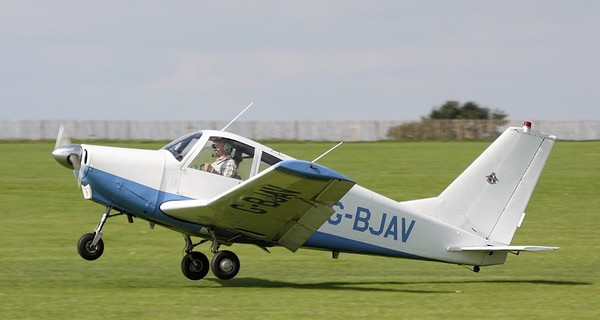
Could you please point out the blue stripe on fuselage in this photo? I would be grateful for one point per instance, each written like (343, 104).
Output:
(321, 240)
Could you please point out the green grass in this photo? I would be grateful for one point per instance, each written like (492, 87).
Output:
(42, 276)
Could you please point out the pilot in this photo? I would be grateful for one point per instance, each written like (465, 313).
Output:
(224, 165)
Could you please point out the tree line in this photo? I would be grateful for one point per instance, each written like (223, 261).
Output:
(453, 121)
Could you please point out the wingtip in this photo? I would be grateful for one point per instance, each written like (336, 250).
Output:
(311, 170)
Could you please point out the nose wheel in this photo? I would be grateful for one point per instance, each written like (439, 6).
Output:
(87, 249)
(90, 245)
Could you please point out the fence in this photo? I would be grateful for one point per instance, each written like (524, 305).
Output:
(263, 130)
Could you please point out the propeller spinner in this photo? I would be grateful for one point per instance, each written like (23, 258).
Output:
(69, 155)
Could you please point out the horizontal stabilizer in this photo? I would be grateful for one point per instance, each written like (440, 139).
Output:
(503, 248)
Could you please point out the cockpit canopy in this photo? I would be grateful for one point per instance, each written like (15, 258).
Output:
(197, 149)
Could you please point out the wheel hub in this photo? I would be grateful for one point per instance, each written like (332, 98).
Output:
(196, 266)
(90, 248)
(226, 265)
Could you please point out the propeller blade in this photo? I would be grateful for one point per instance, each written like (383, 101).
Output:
(78, 168)
(73, 159)
(62, 139)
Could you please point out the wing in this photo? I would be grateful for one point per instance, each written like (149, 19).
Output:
(284, 204)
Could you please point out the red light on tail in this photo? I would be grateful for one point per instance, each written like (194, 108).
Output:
(526, 126)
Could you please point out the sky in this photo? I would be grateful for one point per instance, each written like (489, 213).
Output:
(297, 60)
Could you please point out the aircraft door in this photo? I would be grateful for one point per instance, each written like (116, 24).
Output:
(218, 166)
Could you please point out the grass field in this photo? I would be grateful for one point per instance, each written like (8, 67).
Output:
(42, 276)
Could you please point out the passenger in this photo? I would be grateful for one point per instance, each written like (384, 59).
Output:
(224, 165)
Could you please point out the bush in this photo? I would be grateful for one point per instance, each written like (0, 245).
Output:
(451, 129)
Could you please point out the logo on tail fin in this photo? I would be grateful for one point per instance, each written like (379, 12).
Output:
(492, 179)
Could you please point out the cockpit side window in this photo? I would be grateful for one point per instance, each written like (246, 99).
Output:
(267, 160)
(180, 147)
(240, 153)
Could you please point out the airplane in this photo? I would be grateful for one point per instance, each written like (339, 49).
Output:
(276, 200)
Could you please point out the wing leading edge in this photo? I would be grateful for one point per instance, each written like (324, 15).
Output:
(284, 204)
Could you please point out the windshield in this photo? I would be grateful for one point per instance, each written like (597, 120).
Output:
(180, 147)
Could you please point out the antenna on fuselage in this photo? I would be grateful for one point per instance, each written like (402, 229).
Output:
(328, 151)
(236, 117)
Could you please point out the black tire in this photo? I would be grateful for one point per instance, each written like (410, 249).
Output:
(85, 249)
(195, 266)
(225, 265)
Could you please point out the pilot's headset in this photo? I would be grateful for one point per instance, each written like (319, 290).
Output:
(227, 147)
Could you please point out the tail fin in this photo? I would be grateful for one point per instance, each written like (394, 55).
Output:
(490, 196)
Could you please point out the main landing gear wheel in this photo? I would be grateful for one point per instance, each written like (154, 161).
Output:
(195, 266)
(87, 250)
(225, 265)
